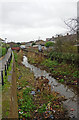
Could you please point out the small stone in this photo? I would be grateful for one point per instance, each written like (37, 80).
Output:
(72, 109)
(51, 108)
(38, 90)
(19, 88)
(51, 116)
(54, 111)
(32, 92)
(27, 86)
(24, 88)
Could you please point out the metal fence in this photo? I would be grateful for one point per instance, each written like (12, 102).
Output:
(6, 66)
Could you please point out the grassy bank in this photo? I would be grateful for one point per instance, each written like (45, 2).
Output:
(63, 72)
(2, 51)
(35, 99)
(6, 93)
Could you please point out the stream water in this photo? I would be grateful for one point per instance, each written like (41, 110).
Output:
(72, 100)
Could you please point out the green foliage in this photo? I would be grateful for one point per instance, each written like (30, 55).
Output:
(66, 44)
(49, 63)
(15, 56)
(26, 104)
(16, 45)
(64, 56)
(33, 44)
(42, 108)
(2, 51)
(48, 44)
(61, 80)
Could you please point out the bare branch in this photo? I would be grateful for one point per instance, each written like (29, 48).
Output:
(72, 24)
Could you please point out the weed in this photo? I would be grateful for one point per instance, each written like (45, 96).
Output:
(61, 80)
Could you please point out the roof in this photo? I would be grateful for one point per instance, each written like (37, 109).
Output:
(1, 39)
(15, 48)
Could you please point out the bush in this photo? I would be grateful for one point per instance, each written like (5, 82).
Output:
(48, 44)
(2, 51)
(33, 44)
(64, 56)
(15, 56)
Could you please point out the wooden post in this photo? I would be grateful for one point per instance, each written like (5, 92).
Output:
(2, 78)
(5, 71)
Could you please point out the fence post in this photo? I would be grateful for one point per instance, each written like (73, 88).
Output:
(5, 71)
(2, 78)
(7, 65)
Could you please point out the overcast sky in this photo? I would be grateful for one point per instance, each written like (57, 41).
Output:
(28, 20)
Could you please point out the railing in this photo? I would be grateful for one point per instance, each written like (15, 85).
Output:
(5, 69)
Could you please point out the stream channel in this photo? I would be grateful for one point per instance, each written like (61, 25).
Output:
(72, 99)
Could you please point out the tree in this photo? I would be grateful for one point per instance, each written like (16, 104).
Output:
(33, 44)
(72, 24)
(48, 44)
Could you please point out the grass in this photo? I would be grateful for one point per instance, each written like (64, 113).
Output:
(2, 51)
(63, 72)
(35, 106)
(6, 93)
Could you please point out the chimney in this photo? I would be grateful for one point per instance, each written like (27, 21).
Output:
(53, 37)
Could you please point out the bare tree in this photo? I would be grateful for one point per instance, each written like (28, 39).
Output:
(73, 25)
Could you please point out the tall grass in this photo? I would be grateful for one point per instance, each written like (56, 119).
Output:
(2, 51)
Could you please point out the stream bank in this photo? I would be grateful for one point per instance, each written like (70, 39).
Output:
(68, 92)
(67, 74)
(36, 101)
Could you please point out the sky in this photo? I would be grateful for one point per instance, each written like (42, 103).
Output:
(28, 20)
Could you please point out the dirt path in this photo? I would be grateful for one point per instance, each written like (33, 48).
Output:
(13, 103)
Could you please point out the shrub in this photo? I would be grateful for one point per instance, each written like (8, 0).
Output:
(2, 51)
(48, 44)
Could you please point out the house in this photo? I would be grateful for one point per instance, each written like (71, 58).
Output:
(22, 46)
(68, 38)
(50, 39)
(29, 44)
(23, 43)
(35, 46)
(1, 41)
(40, 42)
(12, 44)
(15, 49)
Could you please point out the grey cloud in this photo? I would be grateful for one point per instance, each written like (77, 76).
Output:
(35, 15)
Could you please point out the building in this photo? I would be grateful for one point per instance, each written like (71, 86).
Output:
(23, 46)
(50, 39)
(40, 42)
(1, 41)
(29, 44)
(15, 49)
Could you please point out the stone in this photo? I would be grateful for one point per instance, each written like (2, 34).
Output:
(32, 92)
(51, 116)
(19, 88)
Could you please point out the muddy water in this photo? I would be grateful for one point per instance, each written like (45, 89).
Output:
(71, 102)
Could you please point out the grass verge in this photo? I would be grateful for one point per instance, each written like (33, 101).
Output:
(6, 93)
